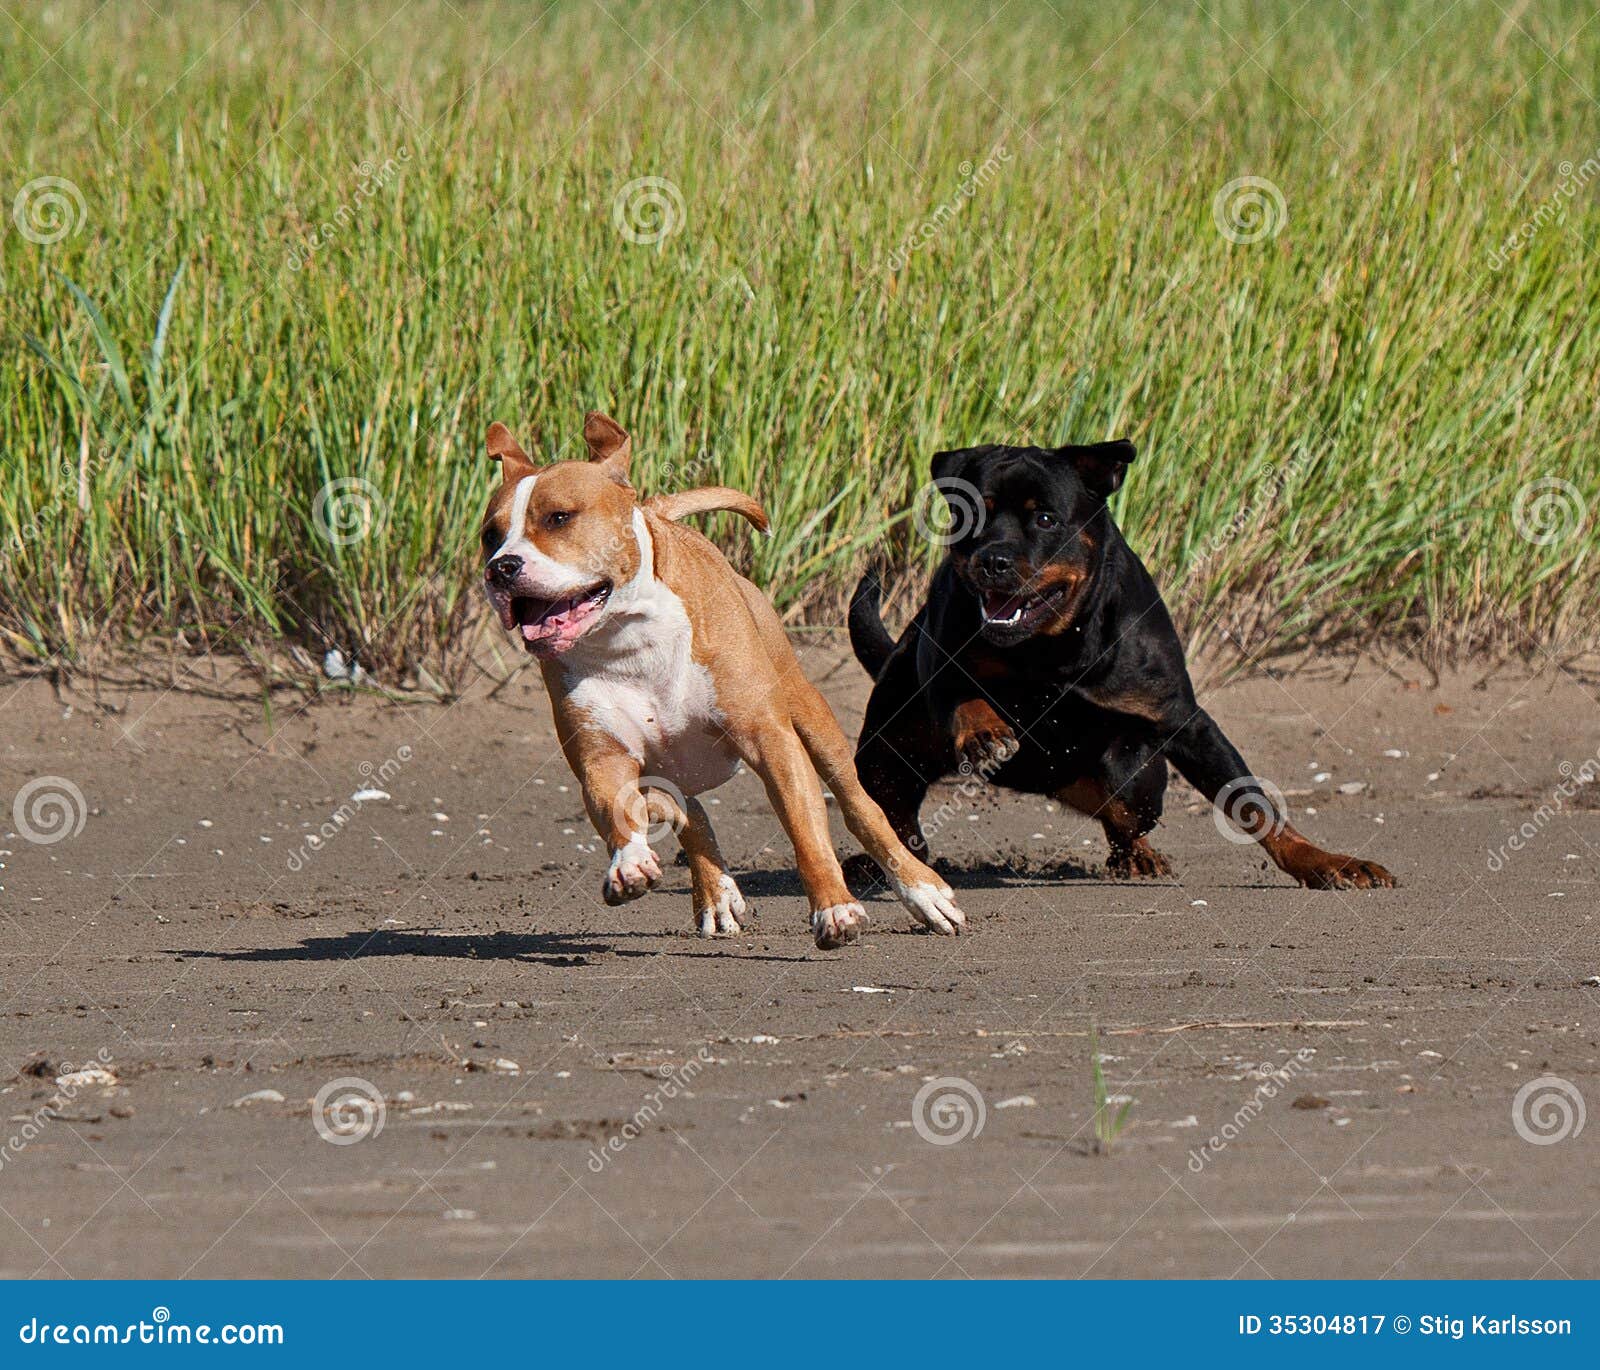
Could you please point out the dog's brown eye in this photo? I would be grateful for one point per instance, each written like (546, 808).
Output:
(559, 518)
(1045, 519)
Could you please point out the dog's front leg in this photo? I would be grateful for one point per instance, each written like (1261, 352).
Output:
(621, 814)
(777, 755)
(983, 740)
(1212, 764)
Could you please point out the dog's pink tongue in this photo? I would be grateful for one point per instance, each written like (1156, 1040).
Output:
(559, 628)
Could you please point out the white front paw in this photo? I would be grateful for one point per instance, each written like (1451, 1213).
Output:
(634, 871)
(723, 913)
(934, 906)
(834, 926)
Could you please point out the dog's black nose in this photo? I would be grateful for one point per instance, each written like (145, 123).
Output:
(995, 563)
(505, 570)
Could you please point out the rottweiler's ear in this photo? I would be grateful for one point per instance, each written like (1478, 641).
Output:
(503, 448)
(1101, 465)
(609, 444)
(952, 465)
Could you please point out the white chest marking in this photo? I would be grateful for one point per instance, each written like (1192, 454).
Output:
(636, 678)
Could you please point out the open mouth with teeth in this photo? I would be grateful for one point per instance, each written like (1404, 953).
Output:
(1014, 613)
(550, 626)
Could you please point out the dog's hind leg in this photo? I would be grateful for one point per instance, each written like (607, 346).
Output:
(930, 901)
(1212, 764)
(718, 905)
(1126, 800)
(901, 753)
(777, 755)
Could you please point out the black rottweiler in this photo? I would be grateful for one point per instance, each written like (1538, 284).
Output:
(1045, 660)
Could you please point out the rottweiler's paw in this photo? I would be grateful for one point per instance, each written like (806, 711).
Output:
(1335, 872)
(634, 871)
(835, 926)
(987, 749)
(721, 916)
(934, 906)
(1138, 862)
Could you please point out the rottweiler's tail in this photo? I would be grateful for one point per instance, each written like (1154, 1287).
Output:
(868, 637)
(704, 501)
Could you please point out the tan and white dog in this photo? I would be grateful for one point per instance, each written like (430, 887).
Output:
(666, 667)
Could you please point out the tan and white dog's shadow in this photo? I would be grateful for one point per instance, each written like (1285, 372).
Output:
(560, 950)
(548, 948)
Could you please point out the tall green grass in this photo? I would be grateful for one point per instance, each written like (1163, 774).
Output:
(1334, 422)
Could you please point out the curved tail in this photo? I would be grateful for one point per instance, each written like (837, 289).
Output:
(704, 501)
(868, 637)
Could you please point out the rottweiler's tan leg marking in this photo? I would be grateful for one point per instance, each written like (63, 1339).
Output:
(984, 740)
(1131, 855)
(1316, 869)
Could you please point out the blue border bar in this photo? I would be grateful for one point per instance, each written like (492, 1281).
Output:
(801, 1323)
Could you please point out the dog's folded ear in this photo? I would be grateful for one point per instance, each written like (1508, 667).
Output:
(608, 444)
(951, 465)
(503, 448)
(1101, 465)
